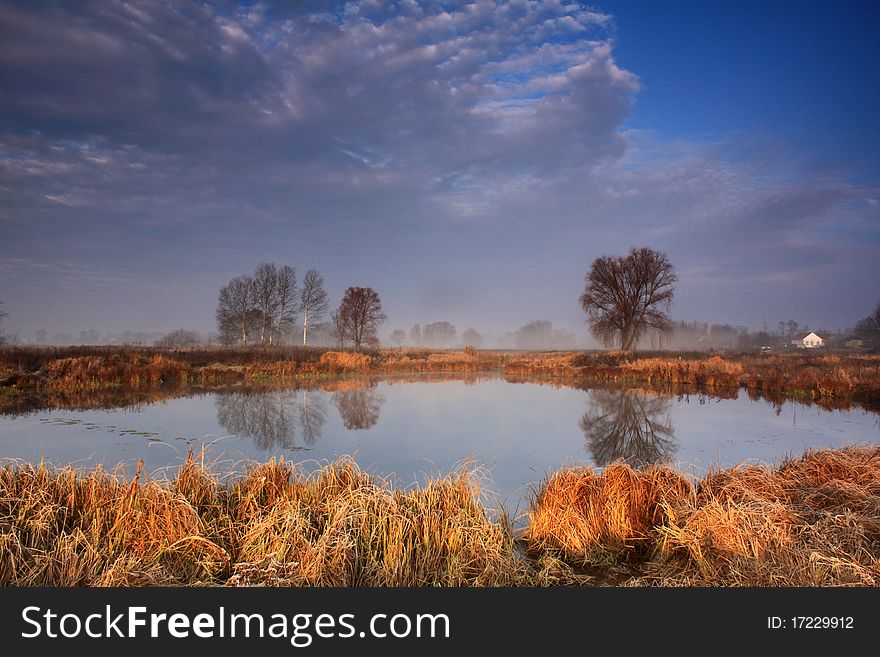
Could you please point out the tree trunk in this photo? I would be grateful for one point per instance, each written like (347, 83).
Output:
(305, 327)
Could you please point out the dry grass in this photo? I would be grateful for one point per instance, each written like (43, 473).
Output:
(274, 526)
(826, 378)
(588, 518)
(813, 521)
(427, 360)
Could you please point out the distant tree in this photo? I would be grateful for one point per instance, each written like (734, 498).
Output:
(792, 327)
(359, 316)
(868, 328)
(337, 321)
(415, 335)
(540, 334)
(439, 334)
(41, 336)
(313, 301)
(322, 334)
(90, 336)
(626, 296)
(471, 337)
(178, 339)
(235, 310)
(398, 336)
(3, 315)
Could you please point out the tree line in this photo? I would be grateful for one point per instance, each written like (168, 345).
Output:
(269, 308)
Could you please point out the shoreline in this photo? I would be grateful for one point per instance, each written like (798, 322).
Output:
(820, 377)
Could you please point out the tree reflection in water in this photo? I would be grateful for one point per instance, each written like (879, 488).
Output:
(269, 418)
(629, 426)
(359, 408)
(312, 416)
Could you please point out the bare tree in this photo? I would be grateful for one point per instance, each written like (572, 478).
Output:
(285, 302)
(235, 310)
(313, 301)
(359, 316)
(624, 297)
(398, 336)
(266, 297)
(471, 337)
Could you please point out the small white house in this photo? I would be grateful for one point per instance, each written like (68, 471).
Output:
(807, 341)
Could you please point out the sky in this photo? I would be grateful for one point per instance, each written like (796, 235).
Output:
(468, 160)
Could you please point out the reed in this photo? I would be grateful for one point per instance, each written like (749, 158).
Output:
(274, 526)
(826, 378)
(811, 521)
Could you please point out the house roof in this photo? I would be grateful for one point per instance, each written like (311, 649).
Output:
(801, 336)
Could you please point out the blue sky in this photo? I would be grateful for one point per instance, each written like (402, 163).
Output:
(467, 160)
(796, 72)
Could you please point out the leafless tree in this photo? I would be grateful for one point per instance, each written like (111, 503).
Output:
(359, 315)
(627, 425)
(235, 310)
(313, 301)
(398, 336)
(266, 298)
(626, 296)
(285, 302)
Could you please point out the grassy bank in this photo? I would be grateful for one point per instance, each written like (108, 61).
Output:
(814, 376)
(810, 521)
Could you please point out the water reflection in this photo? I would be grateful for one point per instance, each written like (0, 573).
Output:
(630, 426)
(359, 408)
(294, 419)
(312, 416)
(272, 418)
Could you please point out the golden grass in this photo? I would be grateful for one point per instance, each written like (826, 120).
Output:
(812, 521)
(274, 526)
(588, 518)
(87, 372)
(825, 378)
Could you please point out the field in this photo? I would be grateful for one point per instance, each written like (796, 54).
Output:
(809, 521)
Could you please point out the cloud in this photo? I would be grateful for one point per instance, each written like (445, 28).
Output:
(385, 141)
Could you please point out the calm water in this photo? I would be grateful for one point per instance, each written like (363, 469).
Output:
(519, 432)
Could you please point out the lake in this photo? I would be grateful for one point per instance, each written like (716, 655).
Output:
(416, 427)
